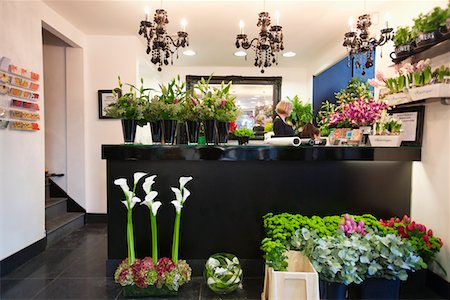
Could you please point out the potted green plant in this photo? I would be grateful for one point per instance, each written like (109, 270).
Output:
(226, 110)
(403, 39)
(152, 114)
(191, 114)
(170, 100)
(208, 104)
(426, 26)
(243, 135)
(301, 113)
(129, 107)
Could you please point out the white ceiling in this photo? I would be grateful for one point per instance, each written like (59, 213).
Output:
(309, 26)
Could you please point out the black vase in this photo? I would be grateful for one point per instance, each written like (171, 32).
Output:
(375, 288)
(169, 128)
(129, 130)
(193, 130)
(210, 131)
(156, 132)
(243, 140)
(331, 290)
(222, 129)
(428, 38)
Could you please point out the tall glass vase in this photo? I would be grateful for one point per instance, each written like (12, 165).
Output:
(222, 129)
(156, 128)
(129, 131)
(210, 132)
(169, 129)
(193, 130)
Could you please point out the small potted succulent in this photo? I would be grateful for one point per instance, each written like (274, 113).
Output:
(243, 135)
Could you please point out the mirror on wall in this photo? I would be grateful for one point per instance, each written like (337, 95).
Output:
(256, 97)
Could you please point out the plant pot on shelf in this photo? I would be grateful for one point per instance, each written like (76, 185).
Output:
(402, 51)
(385, 140)
(210, 131)
(398, 98)
(132, 291)
(427, 39)
(439, 90)
(222, 129)
(169, 129)
(445, 30)
(243, 140)
(156, 129)
(193, 131)
(300, 281)
(129, 130)
(375, 288)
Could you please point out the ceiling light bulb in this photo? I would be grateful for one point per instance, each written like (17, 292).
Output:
(147, 12)
(183, 24)
(289, 54)
(189, 52)
(240, 53)
(277, 17)
(241, 26)
(350, 23)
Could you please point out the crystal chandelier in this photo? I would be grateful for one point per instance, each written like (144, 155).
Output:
(267, 45)
(161, 45)
(360, 46)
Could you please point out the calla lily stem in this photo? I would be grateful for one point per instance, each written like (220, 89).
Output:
(130, 237)
(154, 237)
(176, 238)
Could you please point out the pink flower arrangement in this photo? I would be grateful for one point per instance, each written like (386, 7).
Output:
(349, 226)
(362, 112)
(144, 273)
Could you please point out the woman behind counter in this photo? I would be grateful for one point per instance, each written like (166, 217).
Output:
(280, 127)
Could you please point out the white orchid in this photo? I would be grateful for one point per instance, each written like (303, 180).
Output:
(137, 176)
(122, 182)
(183, 181)
(153, 205)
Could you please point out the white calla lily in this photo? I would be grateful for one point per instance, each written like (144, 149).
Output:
(186, 194)
(122, 182)
(184, 180)
(150, 197)
(177, 194)
(133, 201)
(178, 206)
(155, 207)
(125, 202)
(137, 176)
(147, 185)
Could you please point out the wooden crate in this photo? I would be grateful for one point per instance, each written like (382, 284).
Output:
(299, 282)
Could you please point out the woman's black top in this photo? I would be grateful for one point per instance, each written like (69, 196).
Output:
(282, 129)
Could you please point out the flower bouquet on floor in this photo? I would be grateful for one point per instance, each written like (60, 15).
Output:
(151, 276)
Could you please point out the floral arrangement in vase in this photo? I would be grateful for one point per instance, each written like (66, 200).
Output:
(152, 275)
(223, 273)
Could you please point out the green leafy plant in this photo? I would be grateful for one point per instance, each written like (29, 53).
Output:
(430, 21)
(356, 89)
(129, 105)
(323, 118)
(440, 73)
(268, 127)
(301, 113)
(244, 132)
(172, 96)
(403, 36)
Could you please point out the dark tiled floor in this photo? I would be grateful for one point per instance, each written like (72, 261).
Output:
(75, 267)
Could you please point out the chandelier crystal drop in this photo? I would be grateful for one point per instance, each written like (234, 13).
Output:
(360, 46)
(160, 45)
(267, 45)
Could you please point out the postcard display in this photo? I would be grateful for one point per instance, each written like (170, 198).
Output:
(19, 97)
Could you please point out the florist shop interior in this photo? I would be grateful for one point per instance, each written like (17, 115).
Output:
(287, 150)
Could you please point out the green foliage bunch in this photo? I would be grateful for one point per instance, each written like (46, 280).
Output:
(170, 101)
(268, 127)
(403, 35)
(301, 113)
(244, 132)
(129, 105)
(347, 259)
(356, 89)
(431, 20)
(323, 118)
(440, 73)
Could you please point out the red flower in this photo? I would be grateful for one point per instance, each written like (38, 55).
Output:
(430, 232)
(425, 238)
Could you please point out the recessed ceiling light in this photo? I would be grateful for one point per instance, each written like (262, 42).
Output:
(253, 102)
(289, 54)
(240, 53)
(189, 52)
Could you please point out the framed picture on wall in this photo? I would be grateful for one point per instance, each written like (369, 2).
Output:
(412, 118)
(105, 97)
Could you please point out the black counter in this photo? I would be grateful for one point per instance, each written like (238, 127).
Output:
(234, 186)
(259, 153)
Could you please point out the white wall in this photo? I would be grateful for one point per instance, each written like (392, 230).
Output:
(55, 112)
(22, 159)
(295, 80)
(106, 58)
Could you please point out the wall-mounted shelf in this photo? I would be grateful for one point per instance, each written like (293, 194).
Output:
(426, 52)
